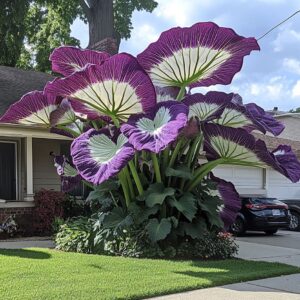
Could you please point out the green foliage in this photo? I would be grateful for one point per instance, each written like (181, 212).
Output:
(31, 29)
(158, 230)
(76, 235)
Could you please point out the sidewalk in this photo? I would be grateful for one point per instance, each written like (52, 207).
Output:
(277, 288)
(18, 243)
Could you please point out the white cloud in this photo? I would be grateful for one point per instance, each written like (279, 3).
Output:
(141, 37)
(296, 90)
(285, 39)
(292, 65)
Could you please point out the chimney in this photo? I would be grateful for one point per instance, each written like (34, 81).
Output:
(275, 108)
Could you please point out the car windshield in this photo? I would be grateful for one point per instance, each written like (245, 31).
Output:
(265, 201)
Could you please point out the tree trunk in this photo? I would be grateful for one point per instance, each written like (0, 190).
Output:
(102, 35)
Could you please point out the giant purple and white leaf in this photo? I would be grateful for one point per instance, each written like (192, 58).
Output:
(118, 88)
(156, 130)
(67, 59)
(83, 111)
(262, 120)
(231, 200)
(236, 146)
(33, 108)
(70, 177)
(207, 107)
(166, 93)
(99, 156)
(72, 130)
(202, 55)
(250, 117)
(282, 159)
(63, 115)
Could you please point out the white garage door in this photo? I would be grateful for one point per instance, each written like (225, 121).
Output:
(246, 180)
(281, 188)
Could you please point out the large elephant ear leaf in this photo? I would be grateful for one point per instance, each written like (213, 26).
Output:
(233, 145)
(231, 200)
(195, 230)
(156, 194)
(158, 230)
(202, 55)
(186, 205)
(249, 117)
(67, 59)
(117, 219)
(33, 108)
(117, 88)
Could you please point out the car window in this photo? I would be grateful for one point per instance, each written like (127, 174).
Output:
(264, 200)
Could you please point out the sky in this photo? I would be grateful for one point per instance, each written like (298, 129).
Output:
(270, 77)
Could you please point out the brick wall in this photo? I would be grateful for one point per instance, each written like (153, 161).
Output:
(23, 218)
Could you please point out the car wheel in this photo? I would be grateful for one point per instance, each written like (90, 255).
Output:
(295, 221)
(271, 231)
(238, 227)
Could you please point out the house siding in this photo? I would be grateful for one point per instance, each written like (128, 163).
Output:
(44, 172)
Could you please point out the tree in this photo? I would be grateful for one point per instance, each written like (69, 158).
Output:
(296, 110)
(31, 29)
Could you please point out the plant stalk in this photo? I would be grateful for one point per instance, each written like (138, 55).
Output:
(136, 178)
(156, 167)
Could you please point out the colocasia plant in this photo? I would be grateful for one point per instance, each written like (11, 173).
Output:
(145, 142)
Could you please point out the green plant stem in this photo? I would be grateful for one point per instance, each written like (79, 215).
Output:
(175, 152)
(72, 132)
(129, 182)
(88, 184)
(95, 125)
(156, 167)
(125, 188)
(181, 93)
(202, 172)
(191, 151)
(136, 177)
(166, 153)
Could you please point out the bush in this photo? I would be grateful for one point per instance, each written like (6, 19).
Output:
(76, 235)
(48, 206)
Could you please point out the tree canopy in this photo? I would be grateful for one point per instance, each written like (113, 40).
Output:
(31, 29)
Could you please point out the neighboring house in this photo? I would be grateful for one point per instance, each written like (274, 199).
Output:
(25, 163)
(267, 182)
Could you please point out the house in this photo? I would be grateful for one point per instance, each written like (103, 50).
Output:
(267, 182)
(25, 163)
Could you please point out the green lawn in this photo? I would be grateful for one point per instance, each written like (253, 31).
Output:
(48, 274)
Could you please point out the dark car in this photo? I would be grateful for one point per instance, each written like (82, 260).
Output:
(261, 214)
(294, 208)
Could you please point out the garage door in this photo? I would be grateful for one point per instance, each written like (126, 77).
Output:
(246, 180)
(281, 188)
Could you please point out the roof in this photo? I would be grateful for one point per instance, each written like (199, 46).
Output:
(14, 83)
(273, 142)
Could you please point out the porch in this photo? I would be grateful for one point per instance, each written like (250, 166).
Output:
(25, 163)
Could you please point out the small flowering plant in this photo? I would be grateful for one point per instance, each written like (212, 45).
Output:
(139, 129)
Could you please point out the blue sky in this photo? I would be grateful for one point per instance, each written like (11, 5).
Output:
(269, 78)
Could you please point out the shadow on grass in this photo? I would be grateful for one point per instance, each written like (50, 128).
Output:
(25, 253)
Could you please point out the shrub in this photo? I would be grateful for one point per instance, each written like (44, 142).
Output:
(48, 206)
(76, 235)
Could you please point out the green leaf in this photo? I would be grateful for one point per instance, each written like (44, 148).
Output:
(108, 186)
(196, 229)
(210, 208)
(181, 172)
(186, 205)
(158, 230)
(156, 194)
(118, 218)
(141, 214)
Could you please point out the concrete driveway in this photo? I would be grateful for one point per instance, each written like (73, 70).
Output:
(282, 247)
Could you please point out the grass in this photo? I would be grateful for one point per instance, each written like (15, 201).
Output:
(48, 274)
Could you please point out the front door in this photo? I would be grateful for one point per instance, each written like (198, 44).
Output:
(8, 170)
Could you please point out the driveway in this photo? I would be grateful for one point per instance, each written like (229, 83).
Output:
(283, 247)
(283, 238)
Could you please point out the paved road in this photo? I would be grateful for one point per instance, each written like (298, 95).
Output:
(283, 238)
